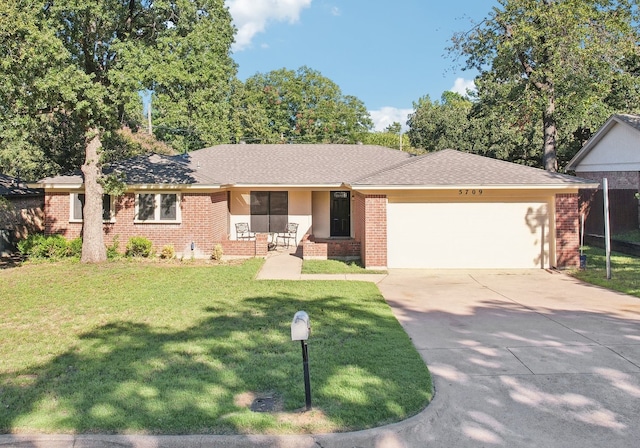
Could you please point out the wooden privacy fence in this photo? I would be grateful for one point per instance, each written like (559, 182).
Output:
(623, 211)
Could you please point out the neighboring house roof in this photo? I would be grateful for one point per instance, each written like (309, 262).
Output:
(360, 166)
(10, 186)
(630, 121)
(454, 168)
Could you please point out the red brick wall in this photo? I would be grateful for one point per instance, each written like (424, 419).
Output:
(371, 228)
(204, 221)
(245, 248)
(330, 249)
(617, 180)
(23, 217)
(567, 231)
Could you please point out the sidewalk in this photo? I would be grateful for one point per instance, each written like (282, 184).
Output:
(285, 265)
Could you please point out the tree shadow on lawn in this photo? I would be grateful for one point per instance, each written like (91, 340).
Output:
(130, 377)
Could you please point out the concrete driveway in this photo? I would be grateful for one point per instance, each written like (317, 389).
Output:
(522, 358)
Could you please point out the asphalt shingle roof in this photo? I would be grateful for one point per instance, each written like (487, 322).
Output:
(293, 164)
(325, 164)
(10, 186)
(451, 167)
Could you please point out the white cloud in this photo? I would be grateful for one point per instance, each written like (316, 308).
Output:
(252, 16)
(462, 85)
(335, 11)
(388, 115)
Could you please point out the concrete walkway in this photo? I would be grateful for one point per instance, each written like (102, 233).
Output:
(518, 358)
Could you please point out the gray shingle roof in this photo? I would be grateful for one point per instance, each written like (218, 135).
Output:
(324, 165)
(293, 164)
(451, 167)
(10, 186)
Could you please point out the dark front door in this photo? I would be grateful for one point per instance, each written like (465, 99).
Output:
(340, 213)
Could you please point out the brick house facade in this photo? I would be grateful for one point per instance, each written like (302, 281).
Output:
(207, 211)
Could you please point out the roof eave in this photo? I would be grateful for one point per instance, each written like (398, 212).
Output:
(306, 186)
(572, 186)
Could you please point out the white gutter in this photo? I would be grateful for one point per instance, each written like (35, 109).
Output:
(476, 186)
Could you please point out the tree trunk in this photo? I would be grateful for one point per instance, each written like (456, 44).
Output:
(549, 154)
(93, 248)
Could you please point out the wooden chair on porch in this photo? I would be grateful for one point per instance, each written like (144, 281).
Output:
(243, 232)
(290, 233)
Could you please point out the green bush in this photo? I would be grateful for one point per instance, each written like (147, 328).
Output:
(26, 246)
(75, 248)
(139, 246)
(40, 246)
(112, 251)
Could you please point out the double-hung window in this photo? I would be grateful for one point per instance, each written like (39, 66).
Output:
(77, 204)
(158, 207)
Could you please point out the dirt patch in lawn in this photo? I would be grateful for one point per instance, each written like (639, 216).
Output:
(313, 421)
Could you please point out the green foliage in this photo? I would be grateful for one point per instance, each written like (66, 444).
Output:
(441, 125)
(75, 247)
(113, 184)
(190, 71)
(388, 140)
(551, 72)
(217, 252)
(138, 246)
(54, 247)
(394, 128)
(5, 205)
(168, 252)
(112, 251)
(298, 107)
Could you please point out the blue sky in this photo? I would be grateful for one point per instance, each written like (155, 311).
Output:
(388, 53)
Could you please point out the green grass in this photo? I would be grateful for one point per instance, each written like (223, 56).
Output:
(157, 348)
(335, 267)
(625, 271)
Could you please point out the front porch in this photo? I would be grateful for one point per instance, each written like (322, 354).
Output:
(309, 247)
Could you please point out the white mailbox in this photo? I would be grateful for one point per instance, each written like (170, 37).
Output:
(300, 326)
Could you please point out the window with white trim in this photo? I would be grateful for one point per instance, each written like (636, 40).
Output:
(77, 204)
(158, 207)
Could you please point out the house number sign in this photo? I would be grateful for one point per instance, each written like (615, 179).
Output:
(470, 192)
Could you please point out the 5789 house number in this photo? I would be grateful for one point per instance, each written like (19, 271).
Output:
(468, 192)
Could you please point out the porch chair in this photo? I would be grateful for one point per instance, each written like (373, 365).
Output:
(290, 233)
(243, 232)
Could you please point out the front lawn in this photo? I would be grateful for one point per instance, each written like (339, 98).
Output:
(335, 267)
(625, 271)
(157, 348)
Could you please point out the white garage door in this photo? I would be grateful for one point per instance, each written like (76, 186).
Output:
(468, 235)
